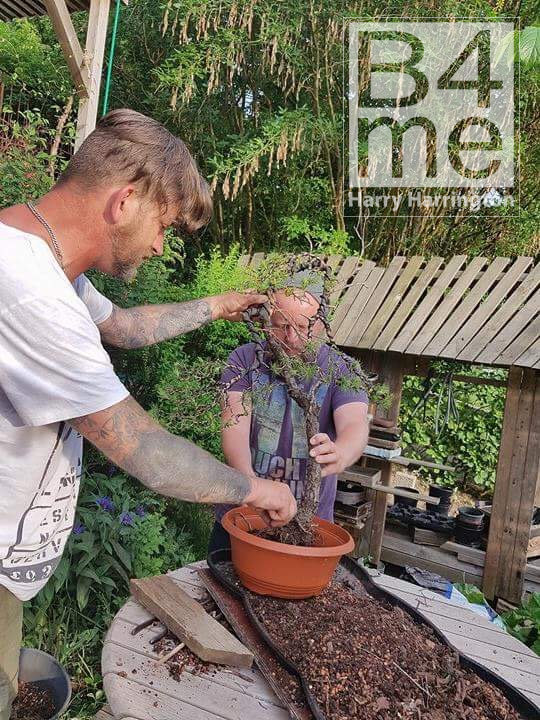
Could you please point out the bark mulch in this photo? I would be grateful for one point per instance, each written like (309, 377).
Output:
(368, 660)
(32, 703)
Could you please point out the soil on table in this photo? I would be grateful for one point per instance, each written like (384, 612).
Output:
(32, 703)
(366, 659)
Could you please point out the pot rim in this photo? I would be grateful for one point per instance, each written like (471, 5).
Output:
(63, 672)
(285, 549)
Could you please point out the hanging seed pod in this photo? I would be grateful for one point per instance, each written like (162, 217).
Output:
(165, 23)
(174, 98)
(226, 187)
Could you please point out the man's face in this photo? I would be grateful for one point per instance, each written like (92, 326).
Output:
(138, 238)
(290, 319)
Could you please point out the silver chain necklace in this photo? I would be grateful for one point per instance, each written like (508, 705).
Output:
(48, 228)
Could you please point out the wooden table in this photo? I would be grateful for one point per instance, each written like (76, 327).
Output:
(139, 689)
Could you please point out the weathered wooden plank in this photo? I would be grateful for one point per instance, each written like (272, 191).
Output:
(248, 680)
(502, 483)
(135, 699)
(334, 261)
(531, 356)
(450, 568)
(209, 690)
(351, 293)
(511, 330)
(377, 298)
(491, 316)
(343, 277)
(408, 304)
(355, 300)
(527, 482)
(511, 566)
(422, 312)
(390, 371)
(104, 714)
(185, 617)
(420, 344)
(521, 343)
(443, 343)
(256, 259)
(69, 42)
(392, 301)
(94, 51)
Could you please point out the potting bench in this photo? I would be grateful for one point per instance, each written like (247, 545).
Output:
(137, 688)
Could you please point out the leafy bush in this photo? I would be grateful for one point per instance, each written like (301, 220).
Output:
(524, 622)
(470, 441)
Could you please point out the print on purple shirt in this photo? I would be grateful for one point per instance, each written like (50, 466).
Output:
(278, 443)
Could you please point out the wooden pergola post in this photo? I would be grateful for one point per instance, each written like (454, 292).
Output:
(85, 66)
(516, 485)
(390, 369)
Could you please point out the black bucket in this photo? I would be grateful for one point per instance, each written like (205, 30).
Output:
(41, 669)
(445, 498)
(404, 501)
(469, 526)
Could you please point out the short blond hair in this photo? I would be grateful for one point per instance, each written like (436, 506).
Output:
(130, 147)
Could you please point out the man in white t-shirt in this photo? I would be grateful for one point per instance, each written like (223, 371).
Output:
(129, 181)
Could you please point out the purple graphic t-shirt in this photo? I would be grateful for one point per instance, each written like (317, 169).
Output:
(278, 443)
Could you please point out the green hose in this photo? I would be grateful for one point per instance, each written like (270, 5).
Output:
(111, 58)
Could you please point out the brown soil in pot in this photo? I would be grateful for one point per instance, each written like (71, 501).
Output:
(32, 703)
(367, 660)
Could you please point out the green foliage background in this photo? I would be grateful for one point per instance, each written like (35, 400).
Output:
(254, 88)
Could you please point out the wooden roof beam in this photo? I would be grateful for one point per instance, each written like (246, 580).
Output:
(70, 45)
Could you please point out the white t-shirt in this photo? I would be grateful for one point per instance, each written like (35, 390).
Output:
(52, 367)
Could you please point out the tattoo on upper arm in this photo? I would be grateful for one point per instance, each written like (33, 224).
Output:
(166, 463)
(148, 324)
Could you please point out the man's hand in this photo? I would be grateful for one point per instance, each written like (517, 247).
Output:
(328, 454)
(275, 498)
(231, 305)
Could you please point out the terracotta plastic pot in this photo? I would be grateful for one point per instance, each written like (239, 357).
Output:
(280, 570)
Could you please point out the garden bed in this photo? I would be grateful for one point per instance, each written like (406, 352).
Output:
(365, 659)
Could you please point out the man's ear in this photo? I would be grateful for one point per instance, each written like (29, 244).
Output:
(121, 205)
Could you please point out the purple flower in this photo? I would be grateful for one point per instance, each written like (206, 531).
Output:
(78, 529)
(105, 503)
(126, 518)
(140, 510)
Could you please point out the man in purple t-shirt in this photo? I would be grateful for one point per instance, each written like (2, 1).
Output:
(263, 431)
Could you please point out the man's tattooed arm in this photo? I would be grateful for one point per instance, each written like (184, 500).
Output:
(163, 462)
(148, 324)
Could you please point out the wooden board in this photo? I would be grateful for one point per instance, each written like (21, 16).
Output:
(356, 336)
(421, 343)
(392, 301)
(501, 315)
(104, 714)
(185, 617)
(429, 537)
(343, 279)
(443, 343)
(502, 483)
(510, 330)
(349, 297)
(408, 304)
(424, 310)
(361, 296)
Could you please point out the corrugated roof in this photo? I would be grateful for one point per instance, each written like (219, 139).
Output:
(473, 310)
(10, 9)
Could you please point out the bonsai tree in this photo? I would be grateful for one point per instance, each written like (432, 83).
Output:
(301, 373)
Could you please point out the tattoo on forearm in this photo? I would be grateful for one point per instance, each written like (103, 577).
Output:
(148, 324)
(163, 462)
